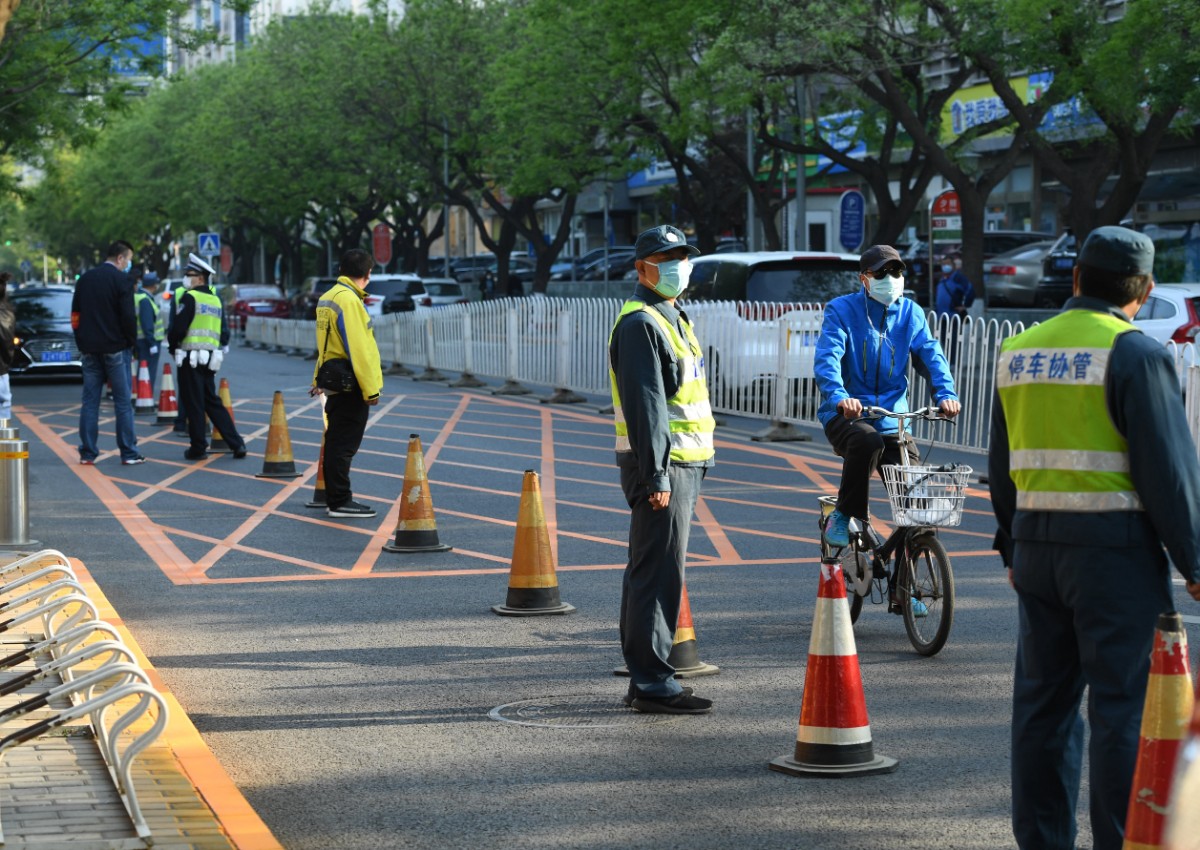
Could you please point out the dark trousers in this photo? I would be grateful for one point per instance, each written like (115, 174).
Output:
(652, 589)
(863, 450)
(198, 398)
(1086, 617)
(346, 414)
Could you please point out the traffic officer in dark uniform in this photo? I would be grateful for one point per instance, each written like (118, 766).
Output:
(1093, 472)
(151, 326)
(664, 428)
(196, 338)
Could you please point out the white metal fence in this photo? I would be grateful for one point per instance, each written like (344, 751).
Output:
(759, 356)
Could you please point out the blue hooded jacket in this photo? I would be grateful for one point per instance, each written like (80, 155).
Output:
(863, 353)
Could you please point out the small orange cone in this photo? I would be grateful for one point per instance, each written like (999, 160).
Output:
(684, 656)
(834, 738)
(416, 527)
(532, 582)
(318, 499)
(168, 404)
(219, 443)
(1169, 703)
(1182, 830)
(144, 405)
(278, 461)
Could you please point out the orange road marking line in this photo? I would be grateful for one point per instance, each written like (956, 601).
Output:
(716, 535)
(253, 550)
(549, 502)
(757, 532)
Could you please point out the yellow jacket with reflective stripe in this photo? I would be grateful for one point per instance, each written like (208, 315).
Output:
(1065, 452)
(204, 333)
(690, 417)
(341, 308)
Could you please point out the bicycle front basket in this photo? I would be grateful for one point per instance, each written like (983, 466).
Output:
(926, 495)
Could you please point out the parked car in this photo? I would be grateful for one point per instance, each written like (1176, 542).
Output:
(45, 343)
(1058, 275)
(1011, 278)
(441, 291)
(617, 266)
(994, 242)
(569, 268)
(470, 270)
(1171, 313)
(394, 290)
(243, 300)
(304, 303)
(775, 276)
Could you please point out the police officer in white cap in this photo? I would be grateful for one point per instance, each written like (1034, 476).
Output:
(196, 339)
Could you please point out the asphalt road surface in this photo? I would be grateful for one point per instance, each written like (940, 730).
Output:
(364, 699)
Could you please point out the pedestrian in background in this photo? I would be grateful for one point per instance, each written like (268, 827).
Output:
(344, 334)
(664, 448)
(180, 427)
(151, 324)
(105, 326)
(8, 333)
(199, 339)
(1092, 472)
(954, 295)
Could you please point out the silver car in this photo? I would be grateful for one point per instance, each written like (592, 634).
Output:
(1011, 278)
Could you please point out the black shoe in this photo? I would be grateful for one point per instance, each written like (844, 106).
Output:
(132, 461)
(633, 693)
(351, 510)
(681, 703)
(191, 455)
(239, 453)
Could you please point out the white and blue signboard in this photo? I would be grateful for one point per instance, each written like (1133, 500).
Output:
(208, 244)
(852, 213)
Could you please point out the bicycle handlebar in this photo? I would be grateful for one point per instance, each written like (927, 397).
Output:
(930, 414)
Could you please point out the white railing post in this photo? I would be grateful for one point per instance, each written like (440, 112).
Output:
(563, 394)
(513, 344)
(467, 378)
(431, 373)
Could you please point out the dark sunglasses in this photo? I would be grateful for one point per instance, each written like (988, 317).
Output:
(884, 272)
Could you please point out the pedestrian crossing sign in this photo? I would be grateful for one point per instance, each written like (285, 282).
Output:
(209, 244)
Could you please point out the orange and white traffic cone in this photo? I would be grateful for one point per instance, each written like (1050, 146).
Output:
(278, 461)
(684, 657)
(416, 526)
(1182, 830)
(318, 499)
(532, 581)
(834, 738)
(168, 404)
(219, 443)
(144, 404)
(1168, 709)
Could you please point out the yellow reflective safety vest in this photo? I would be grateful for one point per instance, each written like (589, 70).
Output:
(159, 326)
(1066, 453)
(689, 414)
(204, 333)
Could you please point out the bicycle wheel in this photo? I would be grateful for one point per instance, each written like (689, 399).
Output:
(930, 582)
(855, 567)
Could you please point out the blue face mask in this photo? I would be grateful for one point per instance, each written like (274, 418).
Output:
(888, 290)
(673, 276)
(128, 265)
(946, 269)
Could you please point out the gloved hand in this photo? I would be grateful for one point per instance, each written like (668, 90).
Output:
(225, 350)
(194, 358)
(180, 356)
(204, 355)
(214, 362)
(154, 349)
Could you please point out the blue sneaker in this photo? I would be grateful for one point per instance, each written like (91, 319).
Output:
(837, 530)
(918, 607)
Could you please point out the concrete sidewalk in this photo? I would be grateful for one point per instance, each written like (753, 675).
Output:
(56, 790)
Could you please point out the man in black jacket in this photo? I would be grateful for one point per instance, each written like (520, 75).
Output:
(105, 326)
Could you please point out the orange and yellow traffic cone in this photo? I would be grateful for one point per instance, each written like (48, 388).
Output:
(834, 738)
(1182, 830)
(277, 460)
(144, 405)
(416, 526)
(318, 499)
(684, 657)
(1168, 709)
(168, 404)
(219, 443)
(532, 582)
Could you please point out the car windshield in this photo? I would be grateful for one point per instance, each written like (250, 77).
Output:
(246, 292)
(443, 288)
(393, 287)
(802, 281)
(34, 307)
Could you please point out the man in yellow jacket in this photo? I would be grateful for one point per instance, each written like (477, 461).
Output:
(344, 333)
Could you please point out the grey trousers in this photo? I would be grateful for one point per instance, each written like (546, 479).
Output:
(653, 585)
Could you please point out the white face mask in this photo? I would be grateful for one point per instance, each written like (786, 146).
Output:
(888, 290)
(673, 276)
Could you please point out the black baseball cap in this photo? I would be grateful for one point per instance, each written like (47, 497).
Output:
(878, 256)
(661, 238)
(1118, 250)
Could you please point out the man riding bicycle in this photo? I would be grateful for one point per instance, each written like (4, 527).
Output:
(862, 358)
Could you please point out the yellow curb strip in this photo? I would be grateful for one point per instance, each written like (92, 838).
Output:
(244, 828)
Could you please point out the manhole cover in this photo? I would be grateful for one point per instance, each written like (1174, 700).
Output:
(585, 711)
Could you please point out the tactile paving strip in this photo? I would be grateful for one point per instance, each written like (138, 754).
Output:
(582, 711)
